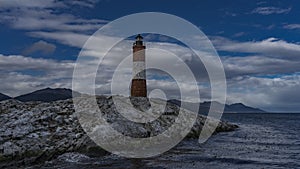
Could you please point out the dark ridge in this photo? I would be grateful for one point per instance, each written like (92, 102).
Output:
(240, 107)
(233, 108)
(48, 95)
(4, 97)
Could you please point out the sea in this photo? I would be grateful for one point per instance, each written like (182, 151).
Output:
(262, 141)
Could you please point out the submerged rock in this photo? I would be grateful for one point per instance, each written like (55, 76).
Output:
(34, 132)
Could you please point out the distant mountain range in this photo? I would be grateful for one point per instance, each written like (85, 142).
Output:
(4, 97)
(240, 107)
(44, 95)
(49, 94)
(232, 108)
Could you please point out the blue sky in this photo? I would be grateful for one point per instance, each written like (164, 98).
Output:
(258, 42)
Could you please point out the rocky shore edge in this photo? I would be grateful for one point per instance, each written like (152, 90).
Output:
(35, 132)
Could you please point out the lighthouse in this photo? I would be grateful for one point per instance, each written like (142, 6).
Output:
(138, 83)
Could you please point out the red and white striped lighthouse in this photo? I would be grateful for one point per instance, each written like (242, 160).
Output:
(138, 83)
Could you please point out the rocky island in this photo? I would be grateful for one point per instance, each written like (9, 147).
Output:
(34, 132)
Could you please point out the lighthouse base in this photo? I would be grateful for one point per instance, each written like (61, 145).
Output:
(138, 88)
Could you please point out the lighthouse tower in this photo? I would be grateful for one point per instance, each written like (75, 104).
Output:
(138, 83)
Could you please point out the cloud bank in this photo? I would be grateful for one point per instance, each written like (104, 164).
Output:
(270, 10)
(261, 73)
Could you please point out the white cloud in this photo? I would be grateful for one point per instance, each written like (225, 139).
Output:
(19, 63)
(271, 47)
(261, 2)
(86, 3)
(269, 79)
(46, 3)
(271, 10)
(292, 26)
(17, 83)
(272, 94)
(239, 34)
(30, 4)
(67, 38)
(40, 46)
(258, 65)
(38, 70)
(20, 75)
(275, 93)
(44, 19)
(41, 19)
(44, 15)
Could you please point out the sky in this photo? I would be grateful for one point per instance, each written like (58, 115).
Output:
(258, 43)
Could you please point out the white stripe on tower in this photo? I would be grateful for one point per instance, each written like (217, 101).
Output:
(139, 70)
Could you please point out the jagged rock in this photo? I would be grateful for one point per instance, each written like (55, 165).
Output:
(10, 149)
(34, 132)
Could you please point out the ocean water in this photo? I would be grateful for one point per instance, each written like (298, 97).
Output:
(262, 141)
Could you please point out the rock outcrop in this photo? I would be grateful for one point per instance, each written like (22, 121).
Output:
(34, 132)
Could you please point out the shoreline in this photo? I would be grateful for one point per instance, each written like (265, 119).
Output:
(35, 132)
